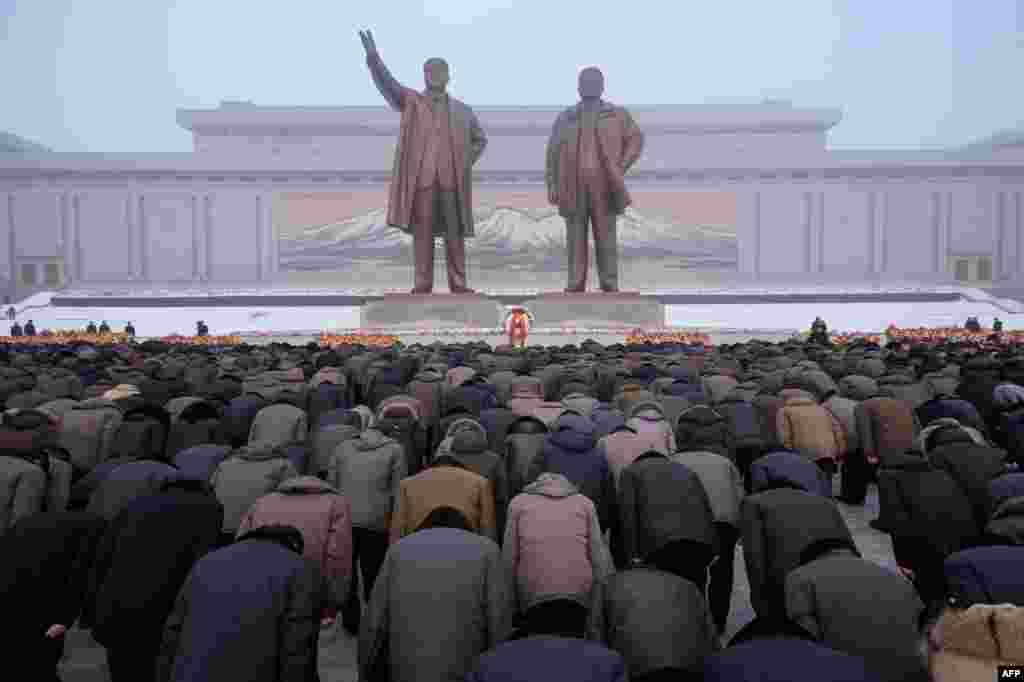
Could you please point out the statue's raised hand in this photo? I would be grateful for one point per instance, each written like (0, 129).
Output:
(368, 44)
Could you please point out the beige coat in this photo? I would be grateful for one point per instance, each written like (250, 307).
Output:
(810, 429)
(974, 641)
(444, 486)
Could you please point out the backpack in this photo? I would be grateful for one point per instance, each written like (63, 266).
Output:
(88, 431)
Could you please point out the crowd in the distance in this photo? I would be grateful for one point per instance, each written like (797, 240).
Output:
(500, 515)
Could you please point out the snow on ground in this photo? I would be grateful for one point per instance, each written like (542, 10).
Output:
(158, 321)
(857, 317)
(861, 317)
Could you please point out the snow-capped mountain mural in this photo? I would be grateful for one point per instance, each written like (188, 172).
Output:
(509, 238)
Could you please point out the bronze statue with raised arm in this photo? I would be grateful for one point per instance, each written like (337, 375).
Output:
(592, 146)
(431, 194)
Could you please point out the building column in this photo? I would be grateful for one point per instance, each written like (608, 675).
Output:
(940, 236)
(204, 241)
(194, 206)
(876, 216)
(748, 232)
(261, 238)
(139, 265)
(74, 270)
(1018, 227)
(65, 242)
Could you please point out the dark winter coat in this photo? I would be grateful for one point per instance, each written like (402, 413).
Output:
(199, 462)
(496, 421)
(986, 575)
(786, 469)
(522, 445)
(973, 467)
(167, 532)
(257, 581)
(44, 574)
(656, 620)
(410, 634)
(861, 608)
(776, 527)
(127, 482)
(920, 502)
(570, 451)
(950, 408)
(660, 501)
(549, 659)
(785, 660)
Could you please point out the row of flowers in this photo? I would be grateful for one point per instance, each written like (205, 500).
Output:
(640, 336)
(48, 338)
(179, 340)
(333, 340)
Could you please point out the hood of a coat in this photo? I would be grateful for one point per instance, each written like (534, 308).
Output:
(429, 375)
(366, 414)
(527, 390)
(465, 424)
(574, 433)
(470, 441)
(372, 439)
(647, 409)
(800, 402)
(551, 485)
(987, 631)
(260, 451)
(305, 485)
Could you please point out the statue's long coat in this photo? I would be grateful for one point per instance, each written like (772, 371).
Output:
(467, 144)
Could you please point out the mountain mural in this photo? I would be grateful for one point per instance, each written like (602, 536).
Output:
(511, 239)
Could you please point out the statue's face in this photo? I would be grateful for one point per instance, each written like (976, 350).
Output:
(591, 83)
(435, 74)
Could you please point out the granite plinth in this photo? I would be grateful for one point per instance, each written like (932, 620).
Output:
(622, 309)
(432, 311)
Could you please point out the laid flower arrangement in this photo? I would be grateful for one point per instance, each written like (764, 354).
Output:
(69, 337)
(331, 340)
(941, 334)
(640, 336)
(180, 340)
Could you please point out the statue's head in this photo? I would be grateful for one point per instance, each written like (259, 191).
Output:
(591, 83)
(435, 73)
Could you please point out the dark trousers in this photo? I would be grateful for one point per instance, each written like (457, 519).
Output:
(429, 205)
(36, 659)
(558, 617)
(686, 559)
(134, 661)
(926, 562)
(856, 475)
(368, 550)
(721, 572)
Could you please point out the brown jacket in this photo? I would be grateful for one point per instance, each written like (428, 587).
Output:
(619, 142)
(467, 143)
(885, 426)
(444, 486)
(809, 428)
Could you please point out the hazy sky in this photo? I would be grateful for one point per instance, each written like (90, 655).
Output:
(108, 75)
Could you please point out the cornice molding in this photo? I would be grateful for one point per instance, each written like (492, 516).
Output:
(689, 176)
(502, 121)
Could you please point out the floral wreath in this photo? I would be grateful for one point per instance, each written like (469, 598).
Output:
(515, 311)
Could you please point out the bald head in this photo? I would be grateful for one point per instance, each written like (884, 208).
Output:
(435, 73)
(591, 85)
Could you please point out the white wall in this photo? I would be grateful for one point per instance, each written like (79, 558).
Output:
(846, 242)
(783, 225)
(37, 221)
(169, 223)
(909, 226)
(233, 225)
(105, 236)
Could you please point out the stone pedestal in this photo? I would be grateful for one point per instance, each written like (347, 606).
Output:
(432, 311)
(624, 309)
